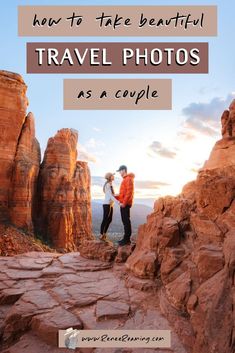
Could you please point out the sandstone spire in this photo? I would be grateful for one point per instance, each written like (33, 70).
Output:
(64, 193)
(54, 204)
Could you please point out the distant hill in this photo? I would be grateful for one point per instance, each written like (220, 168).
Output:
(139, 213)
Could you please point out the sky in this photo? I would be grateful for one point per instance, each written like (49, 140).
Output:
(164, 149)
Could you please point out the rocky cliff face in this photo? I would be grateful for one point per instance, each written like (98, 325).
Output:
(52, 198)
(12, 94)
(188, 243)
(64, 189)
(22, 196)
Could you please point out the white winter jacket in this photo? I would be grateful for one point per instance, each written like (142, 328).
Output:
(109, 198)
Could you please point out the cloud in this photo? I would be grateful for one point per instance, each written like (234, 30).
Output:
(208, 89)
(156, 148)
(149, 184)
(91, 150)
(186, 135)
(139, 184)
(203, 126)
(86, 156)
(96, 129)
(139, 194)
(94, 144)
(204, 118)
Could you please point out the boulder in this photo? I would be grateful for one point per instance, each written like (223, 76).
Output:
(170, 266)
(123, 252)
(209, 260)
(143, 264)
(154, 237)
(178, 208)
(206, 231)
(98, 250)
(179, 290)
(215, 191)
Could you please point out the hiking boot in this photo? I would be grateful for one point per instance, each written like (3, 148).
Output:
(103, 237)
(108, 241)
(123, 242)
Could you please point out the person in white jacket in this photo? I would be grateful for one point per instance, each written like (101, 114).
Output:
(108, 203)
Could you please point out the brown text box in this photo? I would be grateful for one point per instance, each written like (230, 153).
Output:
(115, 55)
(155, 94)
(205, 18)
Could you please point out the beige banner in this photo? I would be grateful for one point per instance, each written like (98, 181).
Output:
(117, 94)
(72, 338)
(117, 21)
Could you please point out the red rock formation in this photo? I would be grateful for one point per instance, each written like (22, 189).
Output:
(189, 242)
(13, 105)
(24, 176)
(64, 213)
(82, 203)
(64, 189)
(98, 250)
(223, 153)
(19, 153)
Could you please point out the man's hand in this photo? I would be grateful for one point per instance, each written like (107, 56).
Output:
(122, 205)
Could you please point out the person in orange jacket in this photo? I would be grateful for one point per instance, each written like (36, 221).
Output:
(125, 197)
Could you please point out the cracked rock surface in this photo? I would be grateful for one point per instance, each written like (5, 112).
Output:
(43, 292)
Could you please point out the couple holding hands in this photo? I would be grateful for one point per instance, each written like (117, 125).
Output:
(124, 200)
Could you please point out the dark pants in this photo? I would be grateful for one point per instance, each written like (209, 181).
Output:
(125, 214)
(107, 218)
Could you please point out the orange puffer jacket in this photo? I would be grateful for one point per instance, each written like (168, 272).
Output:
(126, 193)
